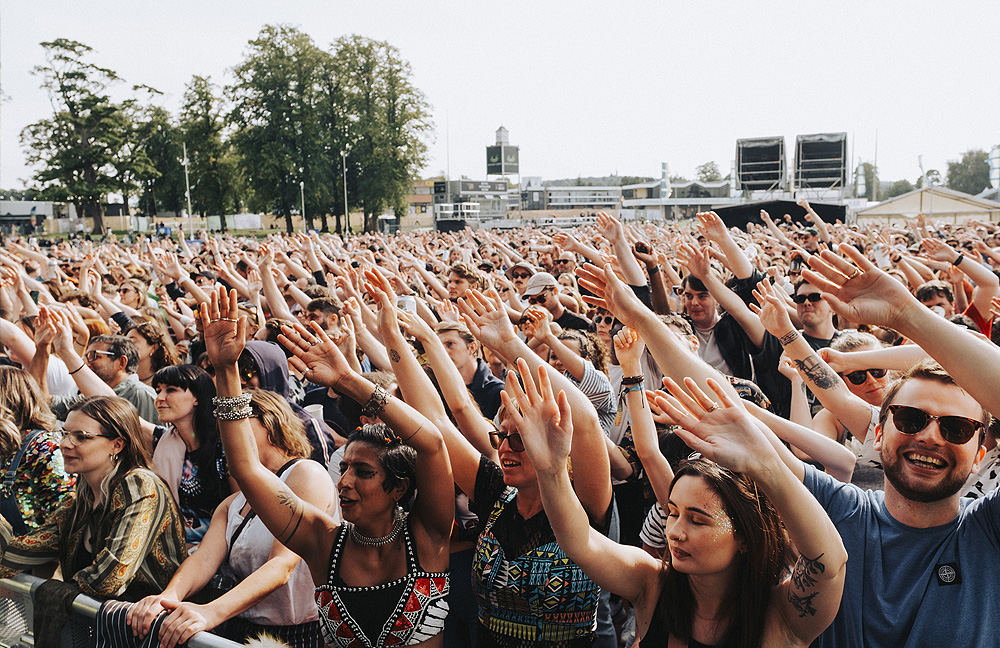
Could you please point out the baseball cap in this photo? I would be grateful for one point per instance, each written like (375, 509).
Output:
(539, 282)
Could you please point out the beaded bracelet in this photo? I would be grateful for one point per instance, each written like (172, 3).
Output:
(376, 403)
(233, 414)
(633, 380)
(231, 401)
(232, 408)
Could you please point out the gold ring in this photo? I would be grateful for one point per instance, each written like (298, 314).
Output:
(714, 407)
(856, 273)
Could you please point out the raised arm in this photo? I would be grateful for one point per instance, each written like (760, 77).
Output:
(861, 292)
(715, 230)
(611, 229)
(488, 322)
(724, 432)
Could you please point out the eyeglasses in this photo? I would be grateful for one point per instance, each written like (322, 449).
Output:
(534, 300)
(954, 429)
(514, 441)
(801, 299)
(606, 319)
(93, 353)
(859, 377)
(77, 437)
(520, 275)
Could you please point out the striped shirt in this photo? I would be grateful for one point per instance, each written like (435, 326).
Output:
(137, 541)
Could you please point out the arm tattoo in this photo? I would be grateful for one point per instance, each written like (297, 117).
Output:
(788, 338)
(803, 604)
(806, 570)
(288, 498)
(394, 355)
(818, 373)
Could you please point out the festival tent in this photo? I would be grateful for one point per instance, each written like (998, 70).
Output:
(938, 203)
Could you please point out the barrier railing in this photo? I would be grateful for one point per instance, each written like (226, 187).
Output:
(16, 618)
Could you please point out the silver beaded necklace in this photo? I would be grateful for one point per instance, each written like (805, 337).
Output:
(397, 526)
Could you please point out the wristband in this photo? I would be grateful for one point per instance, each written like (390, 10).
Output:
(956, 262)
(376, 403)
(633, 380)
(632, 388)
(78, 368)
(653, 270)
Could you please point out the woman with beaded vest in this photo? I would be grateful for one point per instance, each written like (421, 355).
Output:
(381, 576)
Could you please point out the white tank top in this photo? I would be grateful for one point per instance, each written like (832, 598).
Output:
(290, 604)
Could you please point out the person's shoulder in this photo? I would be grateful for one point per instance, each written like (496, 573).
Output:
(139, 483)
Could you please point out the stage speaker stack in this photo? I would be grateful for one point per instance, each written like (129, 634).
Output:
(821, 161)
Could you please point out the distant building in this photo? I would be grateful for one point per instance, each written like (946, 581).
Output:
(458, 203)
(644, 201)
(583, 198)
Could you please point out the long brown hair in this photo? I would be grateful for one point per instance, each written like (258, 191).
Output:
(760, 567)
(21, 409)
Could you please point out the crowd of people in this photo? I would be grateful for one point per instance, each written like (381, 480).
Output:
(618, 435)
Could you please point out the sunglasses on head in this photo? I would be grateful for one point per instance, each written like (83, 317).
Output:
(801, 299)
(514, 441)
(954, 429)
(859, 377)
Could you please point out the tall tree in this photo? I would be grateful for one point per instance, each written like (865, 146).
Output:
(389, 118)
(708, 172)
(135, 127)
(971, 174)
(166, 189)
(75, 148)
(277, 126)
(211, 163)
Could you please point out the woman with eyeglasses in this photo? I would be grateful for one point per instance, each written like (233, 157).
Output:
(121, 535)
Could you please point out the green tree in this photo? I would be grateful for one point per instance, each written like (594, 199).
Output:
(389, 118)
(211, 163)
(135, 127)
(897, 188)
(74, 149)
(163, 147)
(277, 125)
(971, 174)
(708, 172)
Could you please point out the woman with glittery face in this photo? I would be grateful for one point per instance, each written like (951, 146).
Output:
(728, 577)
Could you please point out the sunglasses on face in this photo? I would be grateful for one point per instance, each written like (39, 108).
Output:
(514, 441)
(954, 429)
(859, 377)
(801, 299)
(534, 300)
(562, 261)
(605, 319)
(520, 275)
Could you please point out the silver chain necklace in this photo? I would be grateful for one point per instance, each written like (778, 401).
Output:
(397, 526)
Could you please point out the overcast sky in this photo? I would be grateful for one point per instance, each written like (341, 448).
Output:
(585, 88)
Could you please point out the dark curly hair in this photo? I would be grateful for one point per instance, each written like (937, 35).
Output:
(397, 459)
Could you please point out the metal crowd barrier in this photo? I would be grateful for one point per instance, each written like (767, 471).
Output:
(16, 618)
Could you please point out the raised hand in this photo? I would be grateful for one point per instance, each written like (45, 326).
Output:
(487, 319)
(628, 347)
(254, 283)
(539, 323)
(383, 294)
(938, 250)
(856, 289)
(544, 421)
(415, 326)
(610, 227)
(45, 331)
(566, 241)
(721, 429)
(315, 354)
(223, 328)
(694, 259)
(712, 226)
(611, 293)
(771, 311)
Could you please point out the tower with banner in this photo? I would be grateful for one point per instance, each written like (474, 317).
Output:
(502, 161)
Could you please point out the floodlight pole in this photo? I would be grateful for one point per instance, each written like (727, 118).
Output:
(347, 214)
(187, 184)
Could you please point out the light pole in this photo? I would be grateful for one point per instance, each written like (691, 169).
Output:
(347, 214)
(187, 184)
(302, 192)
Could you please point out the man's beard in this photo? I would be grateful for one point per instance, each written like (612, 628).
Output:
(949, 483)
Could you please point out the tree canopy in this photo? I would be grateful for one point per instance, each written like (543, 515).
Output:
(971, 174)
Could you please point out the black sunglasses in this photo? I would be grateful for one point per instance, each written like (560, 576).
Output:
(954, 429)
(859, 377)
(514, 441)
(801, 299)
(534, 300)
(604, 319)
(520, 275)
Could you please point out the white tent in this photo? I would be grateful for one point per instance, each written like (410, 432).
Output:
(939, 203)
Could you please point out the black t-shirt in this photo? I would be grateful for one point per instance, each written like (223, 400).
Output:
(570, 320)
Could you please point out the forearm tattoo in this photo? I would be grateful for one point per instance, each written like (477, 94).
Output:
(394, 355)
(788, 338)
(817, 372)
